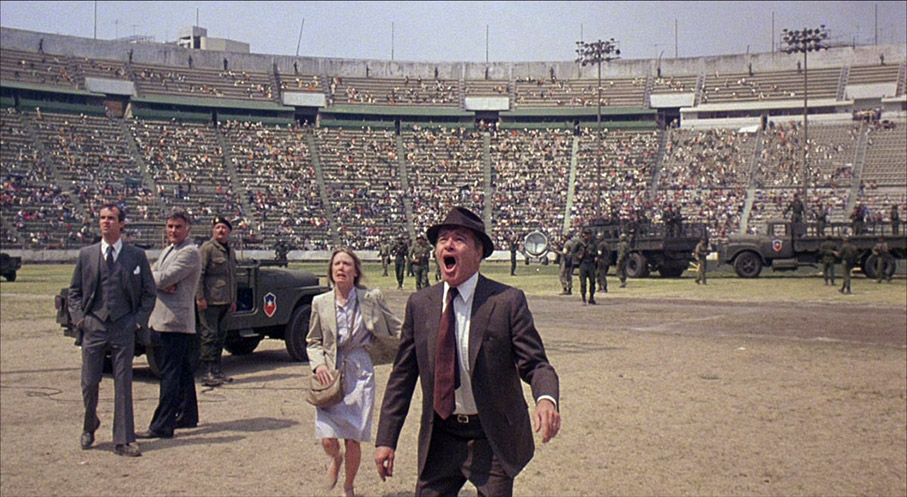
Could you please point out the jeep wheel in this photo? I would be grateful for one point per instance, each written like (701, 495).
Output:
(870, 264)
(11, 276)
(295, 332)
(637, 266)
(154, 355)
(242, 346)
(748, 265)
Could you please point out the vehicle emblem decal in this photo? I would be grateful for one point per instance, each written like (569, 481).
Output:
(776, 245)
(270, 304)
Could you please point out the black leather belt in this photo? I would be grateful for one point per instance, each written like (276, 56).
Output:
(461, 425)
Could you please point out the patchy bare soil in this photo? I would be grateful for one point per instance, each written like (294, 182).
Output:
(658, 397)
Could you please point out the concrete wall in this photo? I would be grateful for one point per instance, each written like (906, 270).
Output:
(157, 53)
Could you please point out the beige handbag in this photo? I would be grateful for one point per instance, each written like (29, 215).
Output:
(321, 395)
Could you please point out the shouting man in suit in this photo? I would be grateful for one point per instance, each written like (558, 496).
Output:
(110, 298)
(176, 275)
(468, 341)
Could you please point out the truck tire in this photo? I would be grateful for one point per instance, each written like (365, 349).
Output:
(637, 266)
(242, 346)
(869, 267)
(295, 332)
(748, 265)
(11, 276)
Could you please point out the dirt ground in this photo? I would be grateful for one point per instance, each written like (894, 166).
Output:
(657, 397)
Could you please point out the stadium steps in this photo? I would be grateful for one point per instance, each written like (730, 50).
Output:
(842, 82)
(147, 177)
(404, 184)
(751, 187)
(239, 188)
(571, 185)
(902, 80)
(486, 170)
(319, 176)
(858, 162)
(659, 162)
(29, 126)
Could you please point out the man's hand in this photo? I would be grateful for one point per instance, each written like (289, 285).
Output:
(169, 289)
(201, 303)
(384, 459)
(546, 418)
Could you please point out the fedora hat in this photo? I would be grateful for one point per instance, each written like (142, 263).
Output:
(460, 217)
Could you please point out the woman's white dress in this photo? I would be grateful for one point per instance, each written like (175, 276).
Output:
(352, 417)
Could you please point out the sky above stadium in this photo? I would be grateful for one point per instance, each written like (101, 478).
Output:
(456, 31)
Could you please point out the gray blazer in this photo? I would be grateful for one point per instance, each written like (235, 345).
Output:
(137, 282)
(179, 266)
(376, 317)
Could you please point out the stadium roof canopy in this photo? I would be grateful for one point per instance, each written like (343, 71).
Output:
(222, 103)
(48, 88)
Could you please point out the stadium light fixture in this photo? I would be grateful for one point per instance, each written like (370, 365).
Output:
(804, 41)
(596, 52)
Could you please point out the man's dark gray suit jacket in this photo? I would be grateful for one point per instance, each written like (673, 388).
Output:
(504, 347)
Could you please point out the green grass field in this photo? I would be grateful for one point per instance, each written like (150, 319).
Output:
(31, 295)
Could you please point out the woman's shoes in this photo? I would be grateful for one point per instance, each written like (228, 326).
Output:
(334, 472)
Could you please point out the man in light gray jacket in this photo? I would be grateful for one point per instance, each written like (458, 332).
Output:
(176, 275)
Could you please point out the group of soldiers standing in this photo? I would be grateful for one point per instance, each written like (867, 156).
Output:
(593, 257)
(412, 261)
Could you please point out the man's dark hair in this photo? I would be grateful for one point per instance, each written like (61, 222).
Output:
(121, 211)
(180, 213)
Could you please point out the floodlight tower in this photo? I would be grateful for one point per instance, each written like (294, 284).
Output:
(596, 52)
(804, 41)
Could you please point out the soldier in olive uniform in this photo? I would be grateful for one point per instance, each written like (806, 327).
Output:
(882, 253)
(821, 219)
(567, 269)
(585, 254)
(514, 247)
(828, 249)
(384, 252)
(795, 207)
(401, 250)
(701, 252)
(602, 263)
(410, 271)
(215, 297)
(848, 255)
(421, 253)
(280, 251)
(623, 253)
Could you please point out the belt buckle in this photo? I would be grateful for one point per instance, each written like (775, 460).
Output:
(462, 419)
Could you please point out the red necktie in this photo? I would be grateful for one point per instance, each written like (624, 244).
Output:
(446, 360)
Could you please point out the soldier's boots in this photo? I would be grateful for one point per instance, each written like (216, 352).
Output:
(591, 300)
(219, 374)
(210, 379)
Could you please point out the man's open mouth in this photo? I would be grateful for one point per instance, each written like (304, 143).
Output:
(449, 261)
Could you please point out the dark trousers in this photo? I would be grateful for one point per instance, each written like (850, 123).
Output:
(587, 273)
(400, 268)
(177, 395)
(120, 336)
(421, 276)
(457, 454)
(601, 274)
(211, 332)
(828, 271)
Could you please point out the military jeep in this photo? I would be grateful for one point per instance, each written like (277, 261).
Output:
(9, 265)
(271, 302)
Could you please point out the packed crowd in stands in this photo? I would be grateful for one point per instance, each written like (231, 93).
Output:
(361, 178)
(57, 169)
(531, 172)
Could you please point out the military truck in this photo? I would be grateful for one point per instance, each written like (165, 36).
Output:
(9, 265)
(652, 246)
(785, 246)
(271, 302)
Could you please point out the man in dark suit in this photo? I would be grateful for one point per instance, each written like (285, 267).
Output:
(176, 274)
(110, 298)
(468, 341)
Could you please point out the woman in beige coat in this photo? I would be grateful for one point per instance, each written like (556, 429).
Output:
(349, 326)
